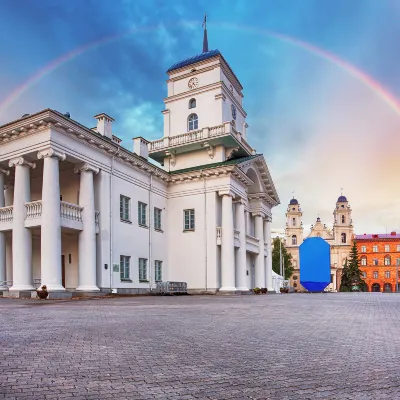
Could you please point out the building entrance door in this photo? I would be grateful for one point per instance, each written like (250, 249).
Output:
(375, 287)
(63, 270)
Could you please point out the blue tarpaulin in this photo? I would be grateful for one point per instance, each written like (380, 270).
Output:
(315, 264)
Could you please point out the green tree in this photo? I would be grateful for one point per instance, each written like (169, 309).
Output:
(351, 273)
(285, 256)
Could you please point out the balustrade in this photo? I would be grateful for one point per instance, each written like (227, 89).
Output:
(71, 211)
(216, 130)
(236, 234)
(97, 218)
(33, 209)
(6, 214)
(252, 240)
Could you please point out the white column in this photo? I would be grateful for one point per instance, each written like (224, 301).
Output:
(259, 265)
(241, 278)
(51, 221)
(87, 238)
(268, 271)
(248, 222)
(3, 274)
(227, 244)
(21, 236)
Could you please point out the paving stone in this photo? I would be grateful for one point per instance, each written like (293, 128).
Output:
(305, 346)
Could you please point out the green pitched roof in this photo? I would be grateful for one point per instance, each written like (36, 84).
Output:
(233, 161)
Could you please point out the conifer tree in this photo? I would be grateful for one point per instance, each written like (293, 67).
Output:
(345, 282)
(351, 273)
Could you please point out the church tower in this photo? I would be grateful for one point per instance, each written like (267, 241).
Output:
(343, 224)
(204, 118)
(294, 225)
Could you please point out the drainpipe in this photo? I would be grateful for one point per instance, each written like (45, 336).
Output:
(150, 231)
(111, 216)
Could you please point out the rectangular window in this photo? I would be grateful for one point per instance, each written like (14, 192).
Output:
(124, 267)
(375, 274)
(397, 261)
(189, 220)
(142, 269)
(387, 274)
(398, 247)
(363, 260)
(375, 261)
(387, 260)
(364, 274)
(331, 278)
(363, 249)
(142, 210)
(124, 208)
(157, 218)
(375, 249)
(387, 248)
(158, 271)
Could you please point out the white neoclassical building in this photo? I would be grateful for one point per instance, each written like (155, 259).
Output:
(81, 213)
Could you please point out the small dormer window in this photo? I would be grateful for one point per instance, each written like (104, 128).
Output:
(193, 122)
(192, 103)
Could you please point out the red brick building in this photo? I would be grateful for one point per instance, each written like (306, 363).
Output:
(379, 256)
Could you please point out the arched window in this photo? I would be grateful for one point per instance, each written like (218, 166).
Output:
(294, 239)
(192, 103)
(193, 122)
(343, 219)
(294, 221)
(343, 236)
(375, 287)
(363, 260)
(387, 260)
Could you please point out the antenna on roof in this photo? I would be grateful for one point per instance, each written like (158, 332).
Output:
(205, 39)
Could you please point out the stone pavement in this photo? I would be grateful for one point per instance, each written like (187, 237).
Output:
(289, 346)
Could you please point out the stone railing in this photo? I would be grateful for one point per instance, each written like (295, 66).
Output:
(156, 145)
(219, 233)
(236, 234)
(33, 209)
(71, 211)
(186, 138)
(265, 247)
(252, 240)
(216, 130)
(6, 214)
(97, 218)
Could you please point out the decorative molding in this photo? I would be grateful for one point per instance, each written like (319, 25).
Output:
(86, 167)
(50, 152)
(227, 192)
(258, 214)
(220, 96)
(210, 149)
(4, 171)
(241, 201)
(268, 218)
(21, 161)
(172, 157)
(231, 151)
(167, 111)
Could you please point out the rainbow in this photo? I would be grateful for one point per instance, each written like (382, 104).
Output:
(347, 67)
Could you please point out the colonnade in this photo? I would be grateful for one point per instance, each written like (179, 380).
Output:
(233, 279)
(51, 269)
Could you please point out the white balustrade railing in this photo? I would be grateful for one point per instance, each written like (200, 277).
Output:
(6, 214)
(71, 211)
(216, 130)
(157, 144)
(219, 232)
(252, 240)
(97, 218)
(186, 137)
(266, 247)
(236, 234)
(33, 209)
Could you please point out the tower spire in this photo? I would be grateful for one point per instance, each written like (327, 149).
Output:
(205, 39)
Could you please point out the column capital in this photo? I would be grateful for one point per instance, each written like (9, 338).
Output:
(258, 214)
(21, 161)
(86, 167)
(50, 152)
(226, 193)
(4, 171)
(268, 218)
(241, 201)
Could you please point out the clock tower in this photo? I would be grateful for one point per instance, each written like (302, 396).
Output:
(204, 118)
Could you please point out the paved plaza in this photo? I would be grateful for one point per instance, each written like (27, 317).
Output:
(289, 346)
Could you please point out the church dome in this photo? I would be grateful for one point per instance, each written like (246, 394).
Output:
(293, 202)
(341, 199)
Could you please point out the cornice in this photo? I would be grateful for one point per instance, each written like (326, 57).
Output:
(86, 167)
(195, 72)
(191, 93)
(227, 192)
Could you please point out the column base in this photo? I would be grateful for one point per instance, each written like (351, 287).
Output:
(17, 294)
(227, 289)
(3, 288)
(87, 288)
(19, 288)
(243, 289)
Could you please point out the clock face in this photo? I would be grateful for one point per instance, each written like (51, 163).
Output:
(233, 108)
(193, 83)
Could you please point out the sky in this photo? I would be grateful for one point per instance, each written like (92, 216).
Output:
(321, 84)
